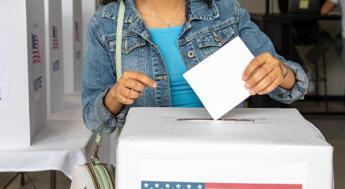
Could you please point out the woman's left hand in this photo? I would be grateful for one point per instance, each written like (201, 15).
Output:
(264, 74)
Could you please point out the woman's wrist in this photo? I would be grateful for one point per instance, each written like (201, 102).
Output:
(289, 78)
(113, 105)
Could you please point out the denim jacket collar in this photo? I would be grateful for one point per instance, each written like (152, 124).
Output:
(197, 10)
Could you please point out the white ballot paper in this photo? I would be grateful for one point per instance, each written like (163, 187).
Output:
(217, 80)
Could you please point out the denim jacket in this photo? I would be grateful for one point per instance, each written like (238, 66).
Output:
(205, 30)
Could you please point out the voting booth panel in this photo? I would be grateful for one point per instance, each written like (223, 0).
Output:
(23, 78)
(78, 41)
(72, 41)
(248, 148)
(54, 69)
(88, 10)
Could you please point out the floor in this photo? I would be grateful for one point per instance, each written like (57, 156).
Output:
(40, 180)
(333, 127)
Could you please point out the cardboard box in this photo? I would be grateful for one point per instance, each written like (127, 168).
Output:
(55, 70)
(252, 148)
(23, 107)
(72, 41)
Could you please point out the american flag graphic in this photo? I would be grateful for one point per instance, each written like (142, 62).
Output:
(201, 185)
(36, 57)
(55, 38)
(76, 31)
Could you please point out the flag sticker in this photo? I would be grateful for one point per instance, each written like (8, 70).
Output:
(36, 55)
(55, 38)
(203, 185)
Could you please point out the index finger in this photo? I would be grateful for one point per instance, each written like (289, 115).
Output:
(254, 64)
(141, 78)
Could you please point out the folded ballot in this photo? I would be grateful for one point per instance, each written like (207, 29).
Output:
(217, 80)
(174, 148)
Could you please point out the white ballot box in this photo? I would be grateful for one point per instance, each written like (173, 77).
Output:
(248, 149)
(22, 72)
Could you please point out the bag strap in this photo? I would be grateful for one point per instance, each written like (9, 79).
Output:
(119, 29)
(118, 66)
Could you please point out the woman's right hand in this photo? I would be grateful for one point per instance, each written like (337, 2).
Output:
(126, 90)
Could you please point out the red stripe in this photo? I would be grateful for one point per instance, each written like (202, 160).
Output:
(252, 186)
(36, 60)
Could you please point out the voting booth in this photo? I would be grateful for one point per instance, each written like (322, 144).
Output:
(246, 149)
(88, 10)
(54, 69)
(22, 71)
(72, 40)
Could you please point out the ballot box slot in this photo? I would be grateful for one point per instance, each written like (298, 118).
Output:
(198, 121)
(223, 120)
(209, 119)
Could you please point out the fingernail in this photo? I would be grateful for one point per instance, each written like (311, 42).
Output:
(154, 85)
(252, 92)
(247, 85)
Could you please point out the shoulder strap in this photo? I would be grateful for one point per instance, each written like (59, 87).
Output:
(119, 29)
(118, 61)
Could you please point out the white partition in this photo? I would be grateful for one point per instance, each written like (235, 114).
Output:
(22, 61)
(72, 41)
(88, 8)
(55, 69)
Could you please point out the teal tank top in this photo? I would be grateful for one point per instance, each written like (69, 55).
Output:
(182, 94)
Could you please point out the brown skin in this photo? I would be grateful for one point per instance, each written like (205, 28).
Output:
(327, 7)
(165, 9)
(265, 73)
(262, 75)
(127, 90)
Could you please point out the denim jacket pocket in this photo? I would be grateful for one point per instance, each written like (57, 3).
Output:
(210, 41)
(215, 38)
(129, 43)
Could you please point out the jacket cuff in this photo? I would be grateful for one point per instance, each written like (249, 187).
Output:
(108, 122)
(299, 89)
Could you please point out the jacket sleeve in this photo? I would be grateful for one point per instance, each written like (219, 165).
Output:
(259, 43)
(98, 76)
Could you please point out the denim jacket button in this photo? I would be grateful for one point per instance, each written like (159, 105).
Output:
(217, 37)
(163, 77)
(191, 54)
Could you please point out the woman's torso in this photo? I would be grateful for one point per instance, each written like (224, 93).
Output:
(205, 31)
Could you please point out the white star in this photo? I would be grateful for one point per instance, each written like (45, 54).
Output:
(189, 186)
(199, 186)
(167, 186)
(146, 185)
(178, 186)
(156, 185)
